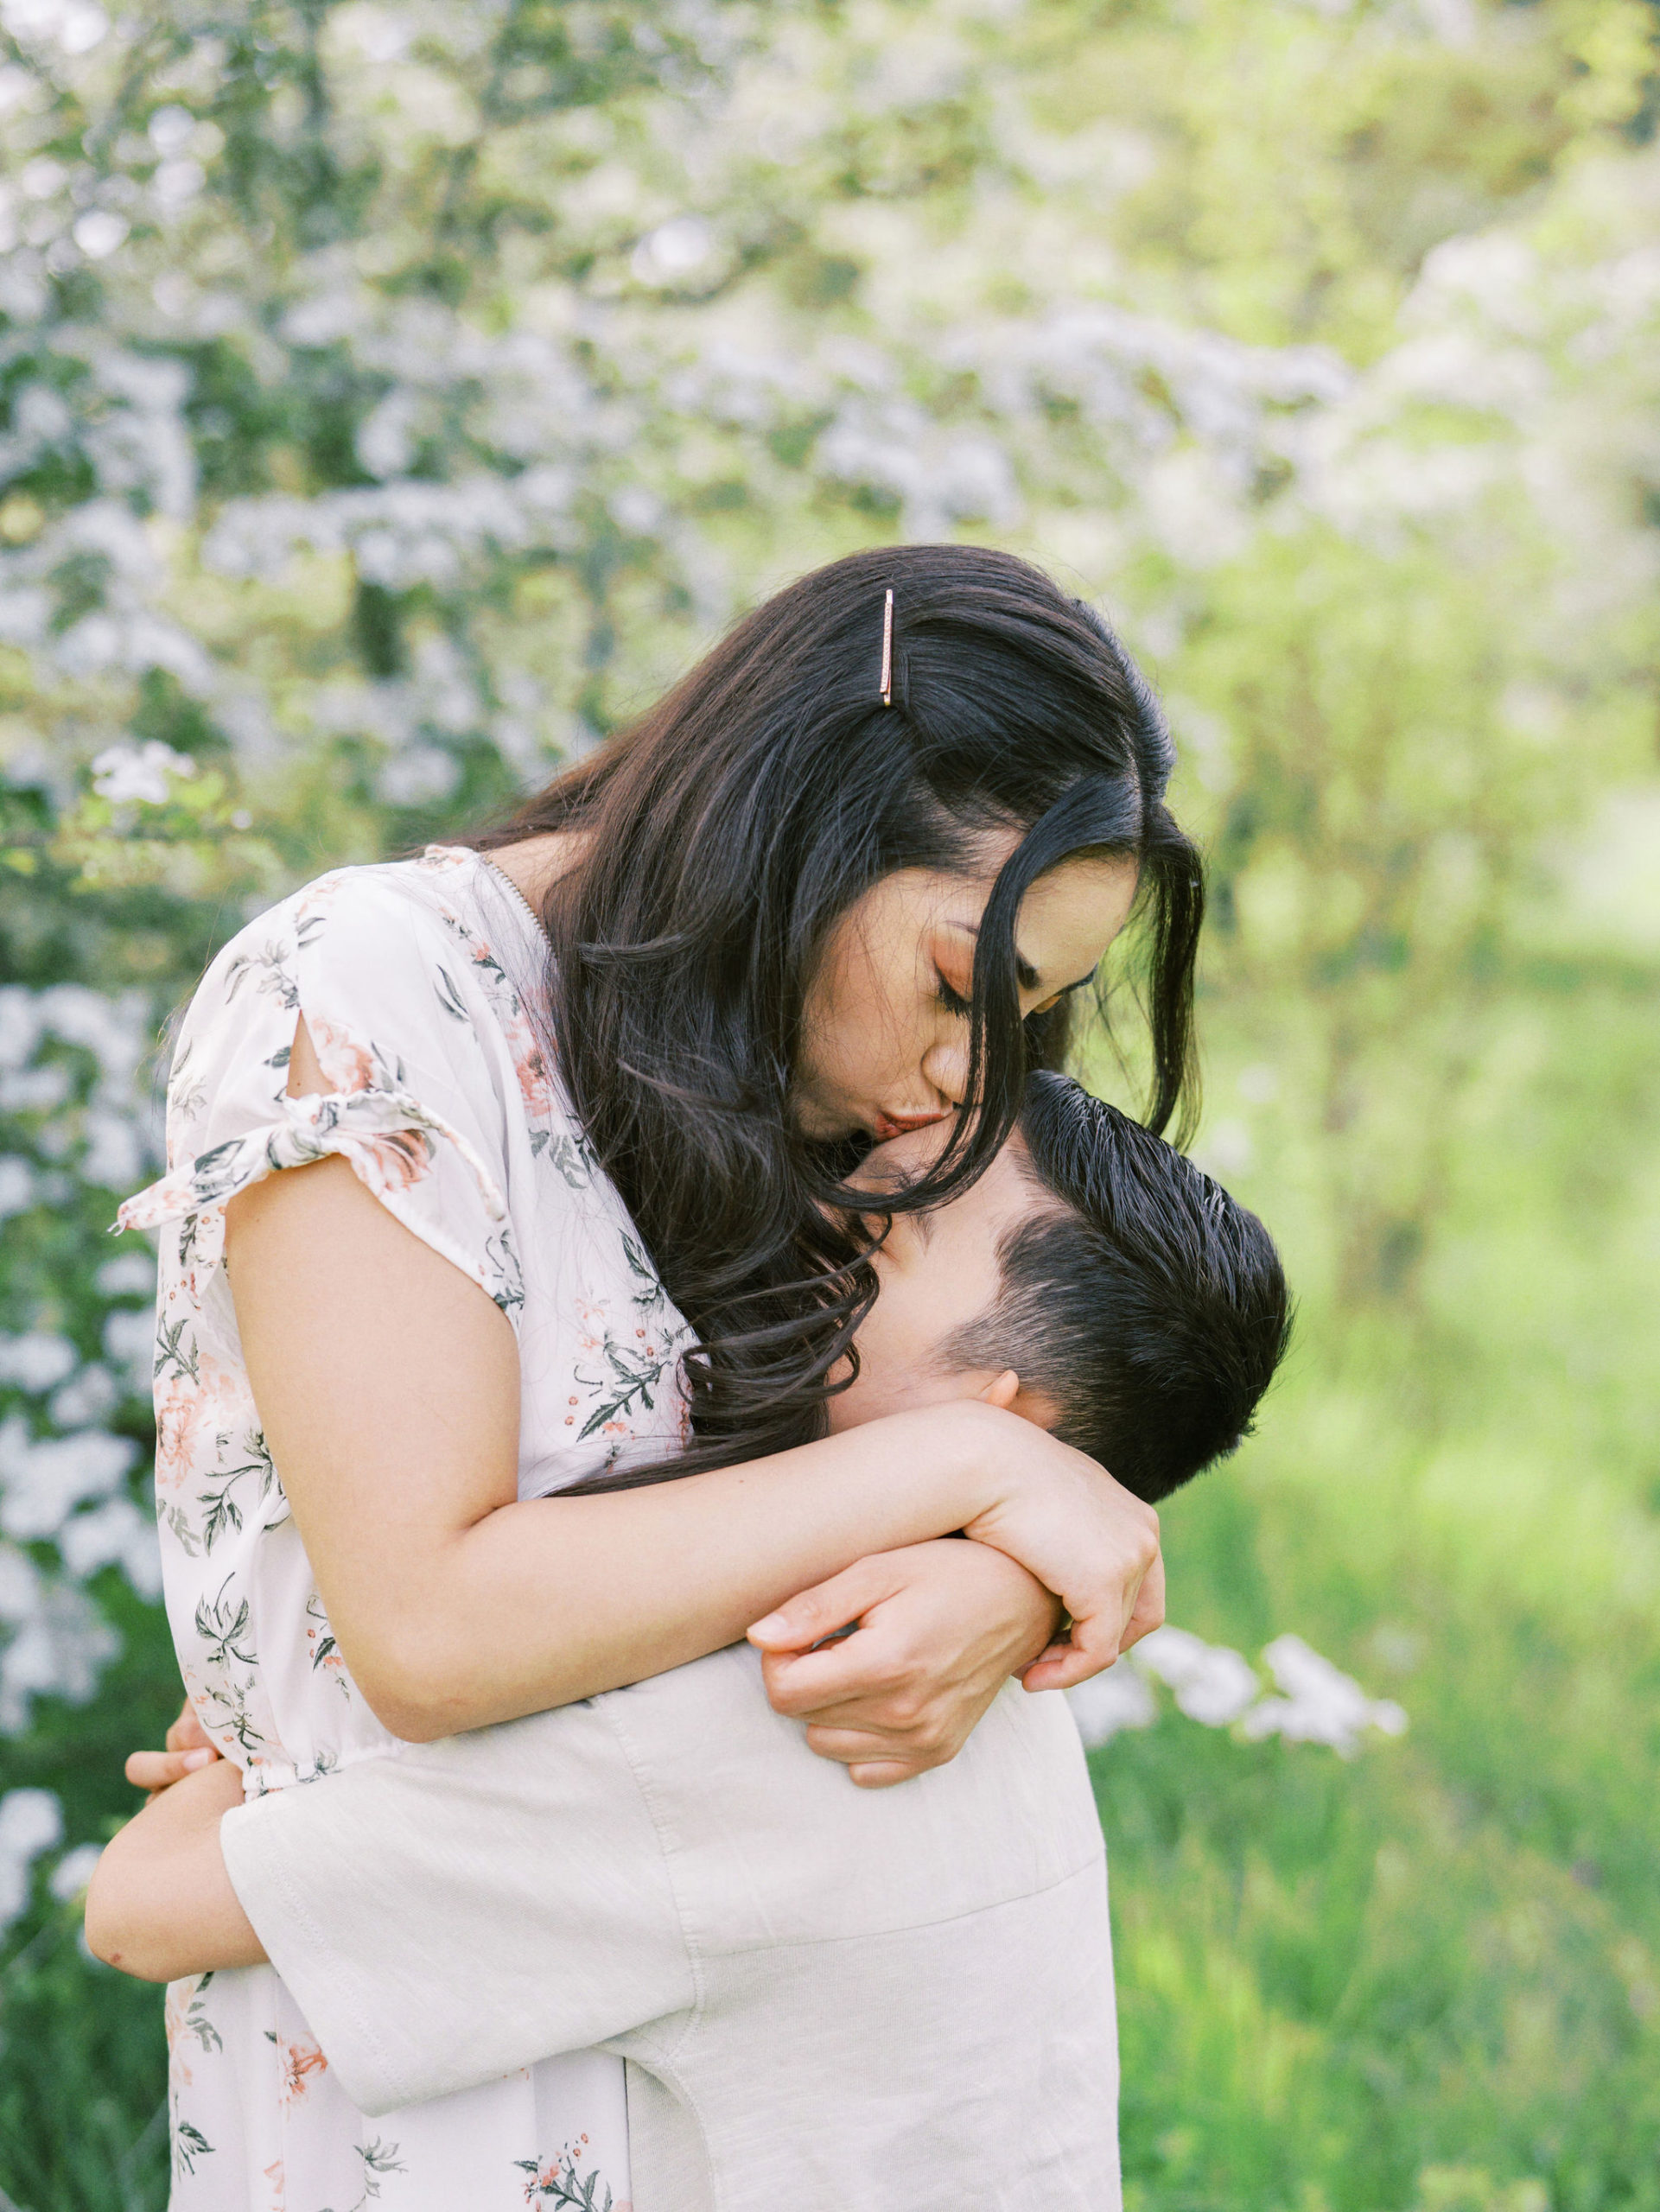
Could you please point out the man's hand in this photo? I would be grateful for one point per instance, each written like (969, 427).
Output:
(187, 1749)
(941, 1628)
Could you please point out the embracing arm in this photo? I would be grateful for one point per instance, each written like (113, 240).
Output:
(160, 1904)
(388, 1385)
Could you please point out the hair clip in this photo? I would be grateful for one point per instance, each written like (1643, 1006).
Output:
(887, 649)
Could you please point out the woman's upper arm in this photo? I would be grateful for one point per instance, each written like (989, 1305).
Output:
(387, 1384)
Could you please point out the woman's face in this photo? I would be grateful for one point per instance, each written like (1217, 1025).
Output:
(886, 1035)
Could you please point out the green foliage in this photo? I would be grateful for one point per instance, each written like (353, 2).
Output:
(394, 397)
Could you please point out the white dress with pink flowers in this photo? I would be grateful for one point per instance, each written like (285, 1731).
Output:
(414, 980)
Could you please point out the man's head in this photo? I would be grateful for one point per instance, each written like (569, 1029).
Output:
(1093, 1280)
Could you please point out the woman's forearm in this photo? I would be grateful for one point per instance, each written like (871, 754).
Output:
(160, 1904)
(388, 1388)
(541, 1603)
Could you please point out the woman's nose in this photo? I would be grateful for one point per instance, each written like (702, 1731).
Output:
(945, 1069)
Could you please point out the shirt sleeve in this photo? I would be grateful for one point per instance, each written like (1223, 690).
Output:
(447, 1915)
(422, 1079)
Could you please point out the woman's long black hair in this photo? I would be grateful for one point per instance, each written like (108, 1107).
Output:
(733, 826)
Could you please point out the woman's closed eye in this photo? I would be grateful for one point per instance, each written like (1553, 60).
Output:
(951, 999)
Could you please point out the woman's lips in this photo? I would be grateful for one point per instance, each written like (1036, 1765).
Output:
(898, 1125)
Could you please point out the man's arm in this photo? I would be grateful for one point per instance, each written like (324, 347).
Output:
(160, 1904)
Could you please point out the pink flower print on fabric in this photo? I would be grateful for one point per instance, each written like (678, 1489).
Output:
(297, 2062)
(348, 1066)
(530, 1062)
(194, 1408)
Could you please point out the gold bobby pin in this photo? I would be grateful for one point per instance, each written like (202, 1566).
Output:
(887, 649)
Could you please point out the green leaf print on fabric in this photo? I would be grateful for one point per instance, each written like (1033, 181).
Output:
(224, 1628)
(378, 2159)
(196, 2021)
(327, 1657)
(568, 1155)
(172, 1352)
(633, 1377)
(189, 2144)
(223, 1511)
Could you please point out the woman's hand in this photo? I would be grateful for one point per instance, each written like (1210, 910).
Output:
(188, 1748)
(942, 1627)
(1084, 1536)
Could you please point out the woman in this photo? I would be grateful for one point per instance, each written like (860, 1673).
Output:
(830, 888)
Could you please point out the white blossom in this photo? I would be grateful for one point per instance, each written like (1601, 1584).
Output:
(115, 1534)
(128, 772)
(35, 1090)
(71, 1877)
(31, 1822)
(1212, 1684)
(98, 233)
(1319, 1704)
(90, 1397)
(1120, 1698)
(58, 1645)
(1219, 1687)
(37, 1361)
(673, 251)
(418, 778)
(42, 1480)
(16, 1185)
(130, 1275)
(130, 1342)
(75, 26)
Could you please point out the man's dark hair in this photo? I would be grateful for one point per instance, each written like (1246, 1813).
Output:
(1151, 1309)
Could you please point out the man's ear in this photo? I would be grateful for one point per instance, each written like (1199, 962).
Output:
(1002, 1390)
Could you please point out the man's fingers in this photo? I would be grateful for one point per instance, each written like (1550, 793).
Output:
(881, 1774)
(161, 1769)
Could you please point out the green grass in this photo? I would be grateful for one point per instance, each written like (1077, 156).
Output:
(1424, 1980)
(1428, 1981)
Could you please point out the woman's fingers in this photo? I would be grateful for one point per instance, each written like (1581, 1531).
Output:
(1096, 1545)
(189, 1748)
(1149, 1606)
(187, 1734)
(154, 1770)
(874, 1761)
(802, 1682)
(818, 1612)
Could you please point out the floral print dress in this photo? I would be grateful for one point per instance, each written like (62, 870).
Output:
(414, 981)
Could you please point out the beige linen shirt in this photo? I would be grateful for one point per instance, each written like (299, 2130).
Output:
(898, 2000)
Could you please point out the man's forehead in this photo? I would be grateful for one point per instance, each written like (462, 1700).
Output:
(896, 1166)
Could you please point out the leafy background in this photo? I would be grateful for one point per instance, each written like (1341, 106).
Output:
(397, 395)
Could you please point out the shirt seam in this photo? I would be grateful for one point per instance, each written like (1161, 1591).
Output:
(273, 1873)
(607, 1713)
